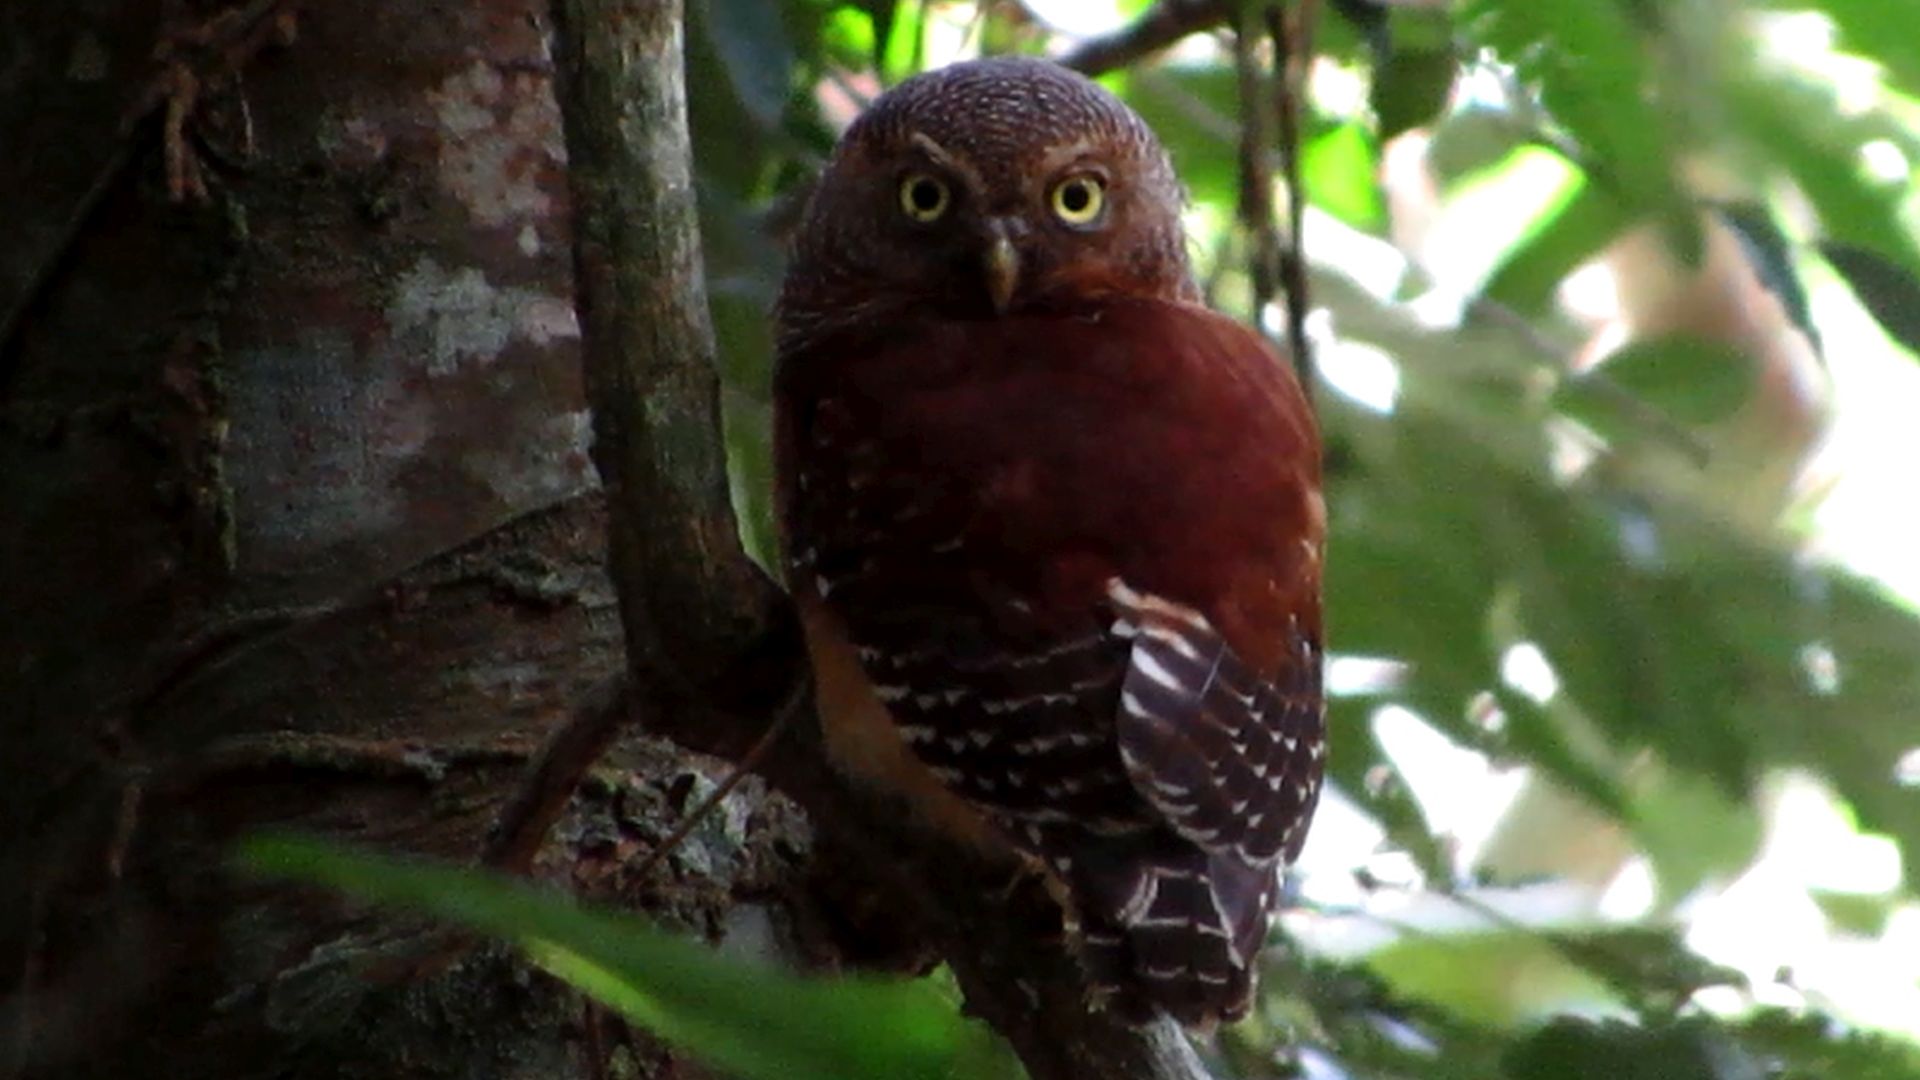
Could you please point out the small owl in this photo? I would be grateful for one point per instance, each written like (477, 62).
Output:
(1054, 528)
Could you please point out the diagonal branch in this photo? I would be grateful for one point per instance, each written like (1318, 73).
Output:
(711, 643)
(1292, 32)
(1164, 24)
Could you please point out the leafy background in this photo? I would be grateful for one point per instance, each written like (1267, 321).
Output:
(1615, 305)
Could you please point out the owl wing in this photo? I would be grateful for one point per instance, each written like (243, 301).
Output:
(1078, 562)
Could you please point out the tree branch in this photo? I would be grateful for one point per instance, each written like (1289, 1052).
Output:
(692, 604)
(1164, 24)
(713, 647)
(1293, 57)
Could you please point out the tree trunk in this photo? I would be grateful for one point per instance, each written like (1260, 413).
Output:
(298, 527)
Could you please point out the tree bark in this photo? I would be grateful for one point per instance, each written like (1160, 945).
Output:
(303, 530)
(298, 526)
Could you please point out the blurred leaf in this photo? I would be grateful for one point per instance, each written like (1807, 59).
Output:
(1195, 111)
(1771, 1045)
(1813, 1047)
(750, 40)
(851, 36)
(902, 35)
(748, 1021)
(1339, 168)
(1692, 380)
(1470, 140)
(1880, 30)
(1569, 1049)
(1540, 738)
(1865, 914)
(1586, 221)
(747, 429)
(1586, 59)
(1354, 756)
(1410, 88)
(1368, 18)
(1495, 978)
(1649, 967)
(1805, 130)
(1889, 293)
(1626, 634)
(1691, 831)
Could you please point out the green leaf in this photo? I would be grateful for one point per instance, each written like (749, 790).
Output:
(1691, 831)
(750, 1022)
(1880, 30)
(1339, 170)
(1542, 740)
(750, 40)
(849, 35)
(1865, 914)
(1587, 61)
(1195, 112)
(1410, 88)
(1802, 127)
(1808, 1046)
(903, 38)
(1585, 221)
(1692, 380)
(1498, 978)
(1570, 1049)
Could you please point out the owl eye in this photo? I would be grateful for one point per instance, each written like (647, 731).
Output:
(1078, 200)
(924, 198)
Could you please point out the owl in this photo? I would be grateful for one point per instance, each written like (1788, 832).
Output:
(1053, 527)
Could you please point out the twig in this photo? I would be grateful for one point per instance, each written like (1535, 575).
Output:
(1256, 170)
(748, 763)
(1163, 25)
(1293, 55)
(555, 774)
(300, 751)
(1656, 423)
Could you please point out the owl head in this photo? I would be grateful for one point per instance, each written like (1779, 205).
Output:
(988, 188)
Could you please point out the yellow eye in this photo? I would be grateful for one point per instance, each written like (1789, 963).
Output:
(924, 198)
(1078, 200)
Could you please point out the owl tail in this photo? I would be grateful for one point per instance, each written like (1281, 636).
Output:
(1170, 926)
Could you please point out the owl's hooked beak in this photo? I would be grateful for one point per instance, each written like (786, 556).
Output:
(1002, 265)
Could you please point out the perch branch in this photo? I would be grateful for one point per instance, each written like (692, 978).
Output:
(712, 646)
(1293, 55)
(1163, 25)
(1256, 168)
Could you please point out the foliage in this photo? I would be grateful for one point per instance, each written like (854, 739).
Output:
(750, 1022)
(1639, 526)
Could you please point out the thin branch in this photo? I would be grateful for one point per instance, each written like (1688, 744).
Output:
(1256, 169)
(1293, 55)
(554, 775)
(1162, 26)
(750, 761)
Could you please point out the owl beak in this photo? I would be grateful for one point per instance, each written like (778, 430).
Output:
(1002, 264)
